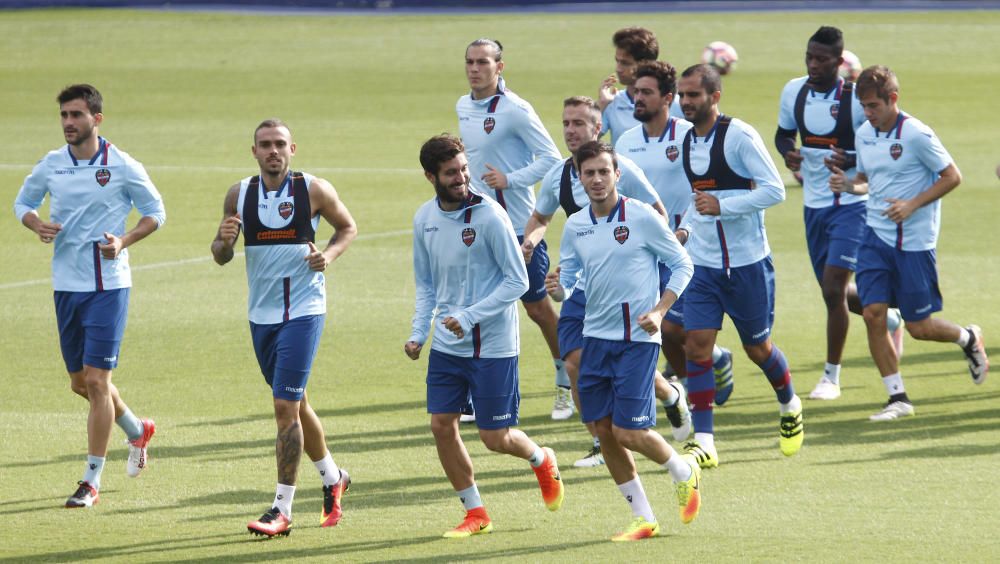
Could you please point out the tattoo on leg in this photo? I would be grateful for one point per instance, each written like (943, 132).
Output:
(288, 449)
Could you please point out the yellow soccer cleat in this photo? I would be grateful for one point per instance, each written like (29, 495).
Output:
(549, 481)
(638, 529)
(705, 457)
(689, 491)
(792, 432)
(476, 522)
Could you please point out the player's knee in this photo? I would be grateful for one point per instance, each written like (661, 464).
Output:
(78, 386)
(920, 330)
(541, 311)
(835, 295)
(95, 383)
(494, 439)
(286, 413)
(758, 353)
(628, 438)
(874, 317)
(443, 429)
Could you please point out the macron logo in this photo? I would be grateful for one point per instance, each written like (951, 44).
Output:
(115, 358)
(852, 260)
(640, 419)
(294, 390)
(503, 417)
(926, 308)
(761, 334)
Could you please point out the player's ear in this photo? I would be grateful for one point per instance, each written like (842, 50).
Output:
(499, 67)
(292, 148)
(716, 96)
(430, 177)
(893, 97)
(98, 118)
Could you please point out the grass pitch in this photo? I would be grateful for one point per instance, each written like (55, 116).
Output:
(183, 93)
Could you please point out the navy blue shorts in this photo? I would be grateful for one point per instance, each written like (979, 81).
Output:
(285, 352)
(904, 279)
(571, 323)
(91, 327)
(537, 269)
(833, 236)
(746, 295)
(675, 314)
(616, 379)
(493, 383)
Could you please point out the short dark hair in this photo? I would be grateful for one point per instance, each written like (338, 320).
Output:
(592, 149)
(878, 80)
(831, 37)
(638, 42)
(269, 123)
(587, 102)
(711, 80)
(664, 73)
(439, 149)
(488, 42)
(85, 92)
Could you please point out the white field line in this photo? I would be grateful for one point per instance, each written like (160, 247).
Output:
(196, 260)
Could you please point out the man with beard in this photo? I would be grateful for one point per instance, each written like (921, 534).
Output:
(468, 269)
(633, 47)
(93, 185)
(654, 145)
(509, 150)
(279, 211)
(824, 111)
(734, 181)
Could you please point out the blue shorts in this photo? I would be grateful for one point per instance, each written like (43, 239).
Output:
(492, 382)
(904, 279)
(285, 352)
(571, 323)
(537, 269)
(746, 295)
(675, 314)
(833, 236)
(91, 327)
(616, 379)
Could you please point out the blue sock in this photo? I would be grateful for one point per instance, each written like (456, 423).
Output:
(130, 424)
(470, 497)
(701, 394)
(776, 370)
(92, 475)
(562, 378)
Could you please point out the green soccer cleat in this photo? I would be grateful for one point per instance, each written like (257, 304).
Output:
(638, 529)
(688, 491)
(705, 457)
(792, 432)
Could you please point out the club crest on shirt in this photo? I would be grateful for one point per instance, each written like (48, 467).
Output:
(103, 176)
(621, 234)
(834, 110)
(672, 153)
(468, 236)
(285, 209)
(896, 151)
(488, 125)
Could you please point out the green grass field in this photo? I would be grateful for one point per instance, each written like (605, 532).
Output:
(183, 92)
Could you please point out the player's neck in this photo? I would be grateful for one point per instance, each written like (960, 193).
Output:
(483, 93)
(655, 126)
(890, 120)
(703, 127)
(604, 207)
(86, 150)
(825, 84)
(274, 181)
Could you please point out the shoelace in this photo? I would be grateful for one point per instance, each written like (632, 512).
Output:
(271, 515)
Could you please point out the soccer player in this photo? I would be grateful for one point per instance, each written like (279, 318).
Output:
(561, 187)
(278, 212)
(616, 242)
(509, 150)
(654, 145)
(633, 47)
(734, 181)
(93, 186)
(468, 268)
(905, 170)
(823, 110)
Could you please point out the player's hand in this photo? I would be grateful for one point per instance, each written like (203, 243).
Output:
(229, 229)
(899, 210)
(706, 204)
(553, 287)
(317, 260)
(494, 178)
(838, 180)
(839, 158)
(527, 249)
(793, 160)
(452, 324)
(682, 236)
(47, 231)
(412, 349)
(607, 92)
(111, 249)
(650, 321)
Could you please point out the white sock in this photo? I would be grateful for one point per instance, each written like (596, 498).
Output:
(470, 497)
(964, 336)
(283, 499)
(92, 475)
(537, 458)
(893, 384)
(635, 495)
(597, 442)
(562, 378)
(328, 470)
(793, 405)
(672, 396)
(706, 440)
(679, 469)
(832, 373)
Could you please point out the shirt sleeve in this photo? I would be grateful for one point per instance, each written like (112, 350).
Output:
(425, 303)
(144, 195)
(547, 201)
(569, 263)
(634, 183)
(859, 167)
(661, 241)
(535, 136)
(930, 151)
(786, 108)
(507, 254)
(748, 157)
(32, 192)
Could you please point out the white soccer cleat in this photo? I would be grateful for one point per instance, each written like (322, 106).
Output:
(679, 414)
(893, 410)
(825, 390)
(137, 455)
(593, 459)
(975, 354)
(563, 408)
